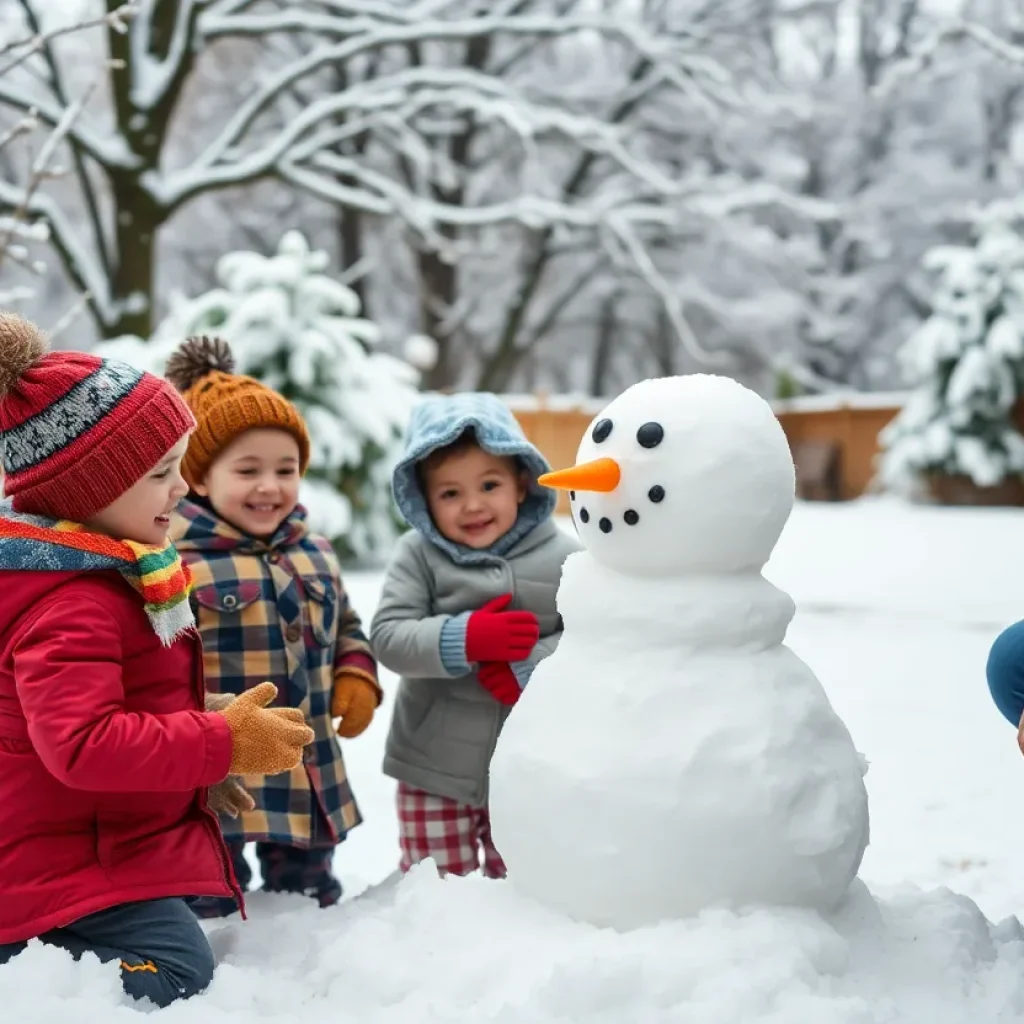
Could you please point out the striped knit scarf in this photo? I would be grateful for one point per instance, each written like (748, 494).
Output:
(37, 544)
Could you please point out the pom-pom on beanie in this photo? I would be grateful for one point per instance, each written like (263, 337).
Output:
(226, 405)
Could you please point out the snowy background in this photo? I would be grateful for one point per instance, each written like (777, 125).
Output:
(565, 194)
(897, 607)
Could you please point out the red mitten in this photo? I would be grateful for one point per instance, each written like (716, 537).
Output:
(494, 634)
(500, 681)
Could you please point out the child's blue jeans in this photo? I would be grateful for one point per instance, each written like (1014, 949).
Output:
(163, 951)
(1005, 671)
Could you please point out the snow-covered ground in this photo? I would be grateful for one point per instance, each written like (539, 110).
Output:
(897, 608)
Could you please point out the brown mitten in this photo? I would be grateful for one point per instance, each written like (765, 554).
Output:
(266, 740)
(218, 701)
(354, 701)
(230, 797)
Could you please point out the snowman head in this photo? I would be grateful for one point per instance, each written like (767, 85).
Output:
(681, 475)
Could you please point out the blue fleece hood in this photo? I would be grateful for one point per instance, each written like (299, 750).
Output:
(437, 421)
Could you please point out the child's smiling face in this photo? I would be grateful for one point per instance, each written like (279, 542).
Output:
(142, 513)
(254, 482)
(473, 496)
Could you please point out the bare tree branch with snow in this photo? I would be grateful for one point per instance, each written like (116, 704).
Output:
(958, 30)
(21, 225)
(581, 162)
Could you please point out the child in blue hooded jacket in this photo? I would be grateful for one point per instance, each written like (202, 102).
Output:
(467, 612)
(1005, 672)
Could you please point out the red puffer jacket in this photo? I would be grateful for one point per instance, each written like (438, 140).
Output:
(105, 754)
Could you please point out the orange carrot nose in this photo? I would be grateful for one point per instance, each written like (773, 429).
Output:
(599, 475)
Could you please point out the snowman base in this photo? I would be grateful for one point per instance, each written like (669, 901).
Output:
(691, 761)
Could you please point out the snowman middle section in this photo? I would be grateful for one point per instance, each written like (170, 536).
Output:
(673, 754)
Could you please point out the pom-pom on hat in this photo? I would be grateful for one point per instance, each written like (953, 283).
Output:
(77, 431)
(226, 405)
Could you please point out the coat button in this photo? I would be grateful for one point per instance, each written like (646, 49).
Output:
(293, 633)
(230, 601)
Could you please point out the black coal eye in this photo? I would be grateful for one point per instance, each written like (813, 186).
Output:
(601, 431)
(650, 435)
(656, 493)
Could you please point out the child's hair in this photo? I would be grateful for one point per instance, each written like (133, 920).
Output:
(466, 440)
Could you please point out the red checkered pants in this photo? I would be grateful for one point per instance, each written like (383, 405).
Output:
(453, 834)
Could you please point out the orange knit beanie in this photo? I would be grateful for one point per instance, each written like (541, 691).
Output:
(226, 405)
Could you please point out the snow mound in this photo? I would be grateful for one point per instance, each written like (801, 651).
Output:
(472, 950)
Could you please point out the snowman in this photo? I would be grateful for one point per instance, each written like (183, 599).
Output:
(673, 754)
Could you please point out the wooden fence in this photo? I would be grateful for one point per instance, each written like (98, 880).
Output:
(556, 429)
(849, 429)
(844, 433)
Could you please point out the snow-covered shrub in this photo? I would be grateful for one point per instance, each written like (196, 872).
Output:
(300, 332)
(967, 364)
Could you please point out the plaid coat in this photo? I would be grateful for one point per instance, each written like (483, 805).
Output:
(277, 610)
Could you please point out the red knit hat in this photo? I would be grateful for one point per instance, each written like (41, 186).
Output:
(77, 431)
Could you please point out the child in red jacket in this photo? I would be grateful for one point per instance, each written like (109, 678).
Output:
(106, 751)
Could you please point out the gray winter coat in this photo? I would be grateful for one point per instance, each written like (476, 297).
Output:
(445, 725)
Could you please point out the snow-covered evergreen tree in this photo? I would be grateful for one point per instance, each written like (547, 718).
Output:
(967, 361)
(299, 331)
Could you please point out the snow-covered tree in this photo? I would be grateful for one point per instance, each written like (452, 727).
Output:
(38, 141)
(478, 133)
(299, 331)
(968, 362)
(898, 117)
(563, 193)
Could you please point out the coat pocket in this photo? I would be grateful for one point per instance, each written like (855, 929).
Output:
(321, 607)
(541, 599)
(228, 598)
(230, 616)
(418, 715)
(17, 747)
(137, 828)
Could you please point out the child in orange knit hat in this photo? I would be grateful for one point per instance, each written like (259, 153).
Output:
(270, 604)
